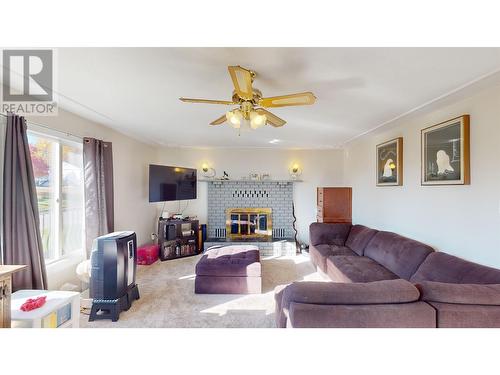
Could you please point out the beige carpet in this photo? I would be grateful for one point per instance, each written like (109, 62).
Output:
(168, 298)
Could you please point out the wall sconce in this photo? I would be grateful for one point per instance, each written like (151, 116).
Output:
(208, 172)
(295, 171)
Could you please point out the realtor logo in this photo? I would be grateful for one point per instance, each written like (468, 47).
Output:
(28, 82)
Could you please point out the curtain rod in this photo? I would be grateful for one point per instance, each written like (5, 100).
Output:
(49, 128)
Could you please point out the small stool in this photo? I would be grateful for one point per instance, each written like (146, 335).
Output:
(106, 309)
(234, 269)
(111, 309)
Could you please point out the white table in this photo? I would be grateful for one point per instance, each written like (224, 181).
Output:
(55, 301)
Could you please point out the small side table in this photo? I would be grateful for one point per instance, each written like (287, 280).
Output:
(61, 310)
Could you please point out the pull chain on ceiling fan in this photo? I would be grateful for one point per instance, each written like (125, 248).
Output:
(250, 102)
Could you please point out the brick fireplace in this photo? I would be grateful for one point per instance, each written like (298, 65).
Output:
(253, 212)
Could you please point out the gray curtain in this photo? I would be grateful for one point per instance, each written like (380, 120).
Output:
(98, 180)
(22, 242)
(3, 124)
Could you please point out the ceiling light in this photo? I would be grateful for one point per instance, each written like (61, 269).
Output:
(234, 118)
(274, 141)
(257, 120)
(250, 99)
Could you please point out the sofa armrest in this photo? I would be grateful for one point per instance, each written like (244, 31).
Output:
(465, 294)
(330, 234)
(330, 293)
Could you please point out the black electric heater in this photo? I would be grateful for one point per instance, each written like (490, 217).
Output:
(112, 277)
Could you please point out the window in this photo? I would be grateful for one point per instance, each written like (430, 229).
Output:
(58, 170)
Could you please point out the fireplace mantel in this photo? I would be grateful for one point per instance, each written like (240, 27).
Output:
(250, 181)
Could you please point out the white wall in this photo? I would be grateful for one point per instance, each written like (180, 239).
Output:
(320, 168)
(130, 161)
(460, 220)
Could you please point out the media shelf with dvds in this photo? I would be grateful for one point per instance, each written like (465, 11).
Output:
(178, 238)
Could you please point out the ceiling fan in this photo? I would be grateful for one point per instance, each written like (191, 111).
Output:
(251, 112)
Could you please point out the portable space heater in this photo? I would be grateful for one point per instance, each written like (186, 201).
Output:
(112, 275)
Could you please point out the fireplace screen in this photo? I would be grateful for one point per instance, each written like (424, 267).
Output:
(249, 222)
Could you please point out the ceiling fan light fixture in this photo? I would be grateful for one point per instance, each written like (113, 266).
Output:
(252, 111)
(257, 120)
(234, 118)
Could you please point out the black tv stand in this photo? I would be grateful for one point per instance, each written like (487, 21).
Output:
(178, 238)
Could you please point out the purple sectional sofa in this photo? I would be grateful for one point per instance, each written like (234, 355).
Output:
(382, 279)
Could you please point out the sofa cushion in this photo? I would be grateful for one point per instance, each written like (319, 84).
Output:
(398, 254)
(329, 234)
(356, 269)
(320, 253)
(466, 294)
(358, 238)
(446, 268)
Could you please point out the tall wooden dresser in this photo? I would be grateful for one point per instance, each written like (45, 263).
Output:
(334, 205)
(5, 292)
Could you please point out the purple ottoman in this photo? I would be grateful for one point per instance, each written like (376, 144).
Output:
(229, 270)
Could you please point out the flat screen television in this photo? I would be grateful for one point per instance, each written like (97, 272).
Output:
(168, 183)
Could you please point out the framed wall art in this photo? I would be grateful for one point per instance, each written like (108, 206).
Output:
(446, 153)
(390, 163)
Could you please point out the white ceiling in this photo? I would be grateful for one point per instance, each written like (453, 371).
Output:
(136, 90)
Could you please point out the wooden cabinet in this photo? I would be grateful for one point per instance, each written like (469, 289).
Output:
(5, 292)
(334, 205)
(5, 287)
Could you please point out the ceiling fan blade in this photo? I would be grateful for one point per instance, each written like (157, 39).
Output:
(219, 121)
(303, 98)
(273, 120)
(207, 101)
(242, 81)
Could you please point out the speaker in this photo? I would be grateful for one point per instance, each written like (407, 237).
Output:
(170, 232)
(204, 232)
